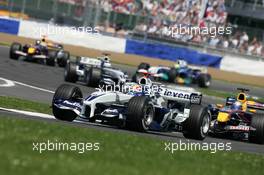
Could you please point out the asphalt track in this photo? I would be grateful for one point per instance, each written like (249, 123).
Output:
(43, 80)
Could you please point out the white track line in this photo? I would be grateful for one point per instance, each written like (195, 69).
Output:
(26, 85)
(40, 115)
(7, 83)
(34, 114)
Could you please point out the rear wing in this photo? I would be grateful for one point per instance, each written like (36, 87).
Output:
(90, 61)
(255, 105)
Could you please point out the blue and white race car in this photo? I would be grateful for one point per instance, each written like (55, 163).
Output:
(180, 73)
(139, 106)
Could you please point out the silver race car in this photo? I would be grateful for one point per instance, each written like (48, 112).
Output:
(139, 106)
(94, 71)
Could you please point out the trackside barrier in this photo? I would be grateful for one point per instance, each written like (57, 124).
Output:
(171, 53)
(72, 36)
(9, 26)
(243, 66)
(232, 63)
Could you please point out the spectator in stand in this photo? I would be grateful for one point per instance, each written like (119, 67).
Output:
(167, 14)
(243, 39)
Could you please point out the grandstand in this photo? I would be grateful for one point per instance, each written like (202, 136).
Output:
(154, 19)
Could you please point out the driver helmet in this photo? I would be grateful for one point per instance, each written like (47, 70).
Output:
(236, 106)
(43, 40)
(38, 42)
(180, 64)
(106, 61)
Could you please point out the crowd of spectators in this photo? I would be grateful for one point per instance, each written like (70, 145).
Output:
(166, 15)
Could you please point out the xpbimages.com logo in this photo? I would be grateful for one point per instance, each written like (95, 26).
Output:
(80, 147)
(172, 147)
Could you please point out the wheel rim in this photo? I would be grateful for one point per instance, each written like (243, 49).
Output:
(208, 83)
(66, 73)
(88, 77)
(148, 117)
(205, 125)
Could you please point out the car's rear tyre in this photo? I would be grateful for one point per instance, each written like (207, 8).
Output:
(145, 66)
(198, 123)
(135, 78)
(70, 74)
(15, 47)
(204, 80)
(50, 61)
(62, 62)
(66, 92)
(93, 77)
(257, 136)
(140, 114)
(172, 75)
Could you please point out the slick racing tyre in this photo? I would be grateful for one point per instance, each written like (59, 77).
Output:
(256, 134)
(50, 61)
(145, 66)
(198, 123)
(70, 74)
(135, 78)
(172, 75)
(140, 114)
(93, 77)
(204, 80)
(66, 92)
(62, 59)
(14, 47)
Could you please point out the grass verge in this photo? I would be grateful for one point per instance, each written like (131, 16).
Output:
(17, 103)
(222, 94)
(119, 153)
(4, 44)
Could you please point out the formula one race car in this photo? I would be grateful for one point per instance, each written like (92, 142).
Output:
(94, 71)
(137, 107)
(238, 119)
(181, 73)
(42, 52)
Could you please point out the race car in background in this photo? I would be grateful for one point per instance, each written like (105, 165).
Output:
(94, 71)
(42, 51)
(240, 118)
(138, 107)
(181, 73)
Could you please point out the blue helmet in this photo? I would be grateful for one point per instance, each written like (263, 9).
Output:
(236, 106)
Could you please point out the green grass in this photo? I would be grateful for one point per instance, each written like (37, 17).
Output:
(120, 153)
(4, 44)
(17, 103)
(222, 94)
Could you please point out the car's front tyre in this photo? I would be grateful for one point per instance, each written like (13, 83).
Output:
(70, 74)
(65, 92)
(204, 80)
(198, 123)
(256, 134)
(15, 47)
(62, 62)
(93, 77)
(50, 61)
(140, 114)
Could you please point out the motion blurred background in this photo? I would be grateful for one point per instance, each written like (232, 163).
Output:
(151, 19)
